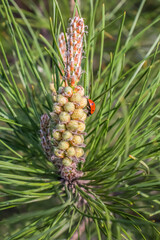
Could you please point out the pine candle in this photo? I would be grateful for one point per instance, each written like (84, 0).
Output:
(69, 109)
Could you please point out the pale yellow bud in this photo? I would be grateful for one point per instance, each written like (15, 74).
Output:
(69, 107)
(53, 88)
(72, 125)
(77, 140)
(63, 145)
(68, 91)
(61, 100)
(71, 151)
(54, 116)
(57, 135)
(61, 90)
(79, 152)
(57, 109)
(81, 127)
(64, 117)
(67, 135)
(82, 103)
(76, 97)
(54, 98)
(77, 114)
(58, 153)
(84, 116)
(80, 90)
(66, 162)
(82, 137)
(60, 127)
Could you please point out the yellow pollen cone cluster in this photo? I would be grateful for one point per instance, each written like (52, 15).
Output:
(68, 134)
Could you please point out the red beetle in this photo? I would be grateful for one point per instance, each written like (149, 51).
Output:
(91, 107)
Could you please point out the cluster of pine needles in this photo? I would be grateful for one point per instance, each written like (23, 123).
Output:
(121, 181)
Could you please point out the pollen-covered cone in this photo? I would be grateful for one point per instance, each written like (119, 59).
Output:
(67, 137)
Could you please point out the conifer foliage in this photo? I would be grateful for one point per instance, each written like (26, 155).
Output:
(63, 174)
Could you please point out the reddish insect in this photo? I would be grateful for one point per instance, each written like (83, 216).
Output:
(91, 107)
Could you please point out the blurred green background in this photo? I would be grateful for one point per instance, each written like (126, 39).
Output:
(38, 12)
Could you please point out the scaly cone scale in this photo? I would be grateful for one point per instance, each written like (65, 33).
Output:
(69, 113)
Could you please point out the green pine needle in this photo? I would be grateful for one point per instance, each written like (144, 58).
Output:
(121, 182)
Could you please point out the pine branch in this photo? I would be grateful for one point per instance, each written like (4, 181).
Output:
(116, 194)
